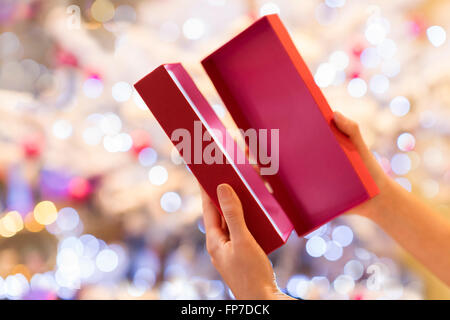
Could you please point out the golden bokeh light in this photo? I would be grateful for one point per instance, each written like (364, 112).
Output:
(5, 232)
(102, 10)
(31, 224)
(12, 222)
(45, 212)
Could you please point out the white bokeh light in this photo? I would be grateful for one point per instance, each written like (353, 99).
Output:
(401, 163)
(339, 60)
(62, 129)
(370, 58)
(91, 245)
(72, 243)
(16, 286)
(406, 141)
(269, 8)
(325, 74)
(354, 269)
(375, 33)
(342, 235)
(357, 88)
(158, 175)
(147, 157)
(67, 219)
(194, 28)
(92, 88)
(436, 35)
(344, 284)
(170, 201)
(2, 288)
(335, 3)
(110, 124)
(298, 286)
(107, 260)
(121, 91)
(121, 142)
(399, 106)
(334, 251)
(316, 246)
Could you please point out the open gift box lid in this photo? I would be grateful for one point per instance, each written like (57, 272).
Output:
(265, 84)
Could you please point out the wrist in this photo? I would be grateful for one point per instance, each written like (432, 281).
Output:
(381, 203)
(274, 293)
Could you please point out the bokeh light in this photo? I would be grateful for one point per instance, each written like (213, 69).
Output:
(401, 163)
(102, 10)
(170, 201)
(121, 91)
(106, 260)
(343, 235)
(436, 35)
(316, 246)
(406, 141)
(158, 175)
(357, 87)
(194, 28)
(399, 106)
(45, 212)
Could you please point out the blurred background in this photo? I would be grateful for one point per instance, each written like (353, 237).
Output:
(94, 203)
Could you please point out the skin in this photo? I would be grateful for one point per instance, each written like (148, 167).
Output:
(246, 268)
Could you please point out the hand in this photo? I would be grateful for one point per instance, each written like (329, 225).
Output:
(386, 185)
(234, 252)
(418, 228)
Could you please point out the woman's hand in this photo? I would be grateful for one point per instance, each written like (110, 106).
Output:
(234, 252)
(386, 186)
(419, 229)
(248, 272)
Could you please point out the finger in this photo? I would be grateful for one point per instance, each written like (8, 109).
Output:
(211, 216)
(232, 211)
(215, 234)
(351, 129)
(348, 127)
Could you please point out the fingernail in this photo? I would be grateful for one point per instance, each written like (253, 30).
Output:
(223, 191)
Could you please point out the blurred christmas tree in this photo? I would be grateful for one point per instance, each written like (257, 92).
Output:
(94, 198)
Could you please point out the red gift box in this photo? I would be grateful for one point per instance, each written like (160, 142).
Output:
(179, 107)
(265, 84)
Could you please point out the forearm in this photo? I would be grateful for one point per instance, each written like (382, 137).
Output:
(416, 227)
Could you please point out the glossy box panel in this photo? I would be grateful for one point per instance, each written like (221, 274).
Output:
(176, 102)
(265, 84)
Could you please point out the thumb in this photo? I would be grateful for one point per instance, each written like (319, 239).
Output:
(232, 211)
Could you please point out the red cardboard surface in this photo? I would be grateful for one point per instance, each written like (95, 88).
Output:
(265, 84)
(176, 102)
